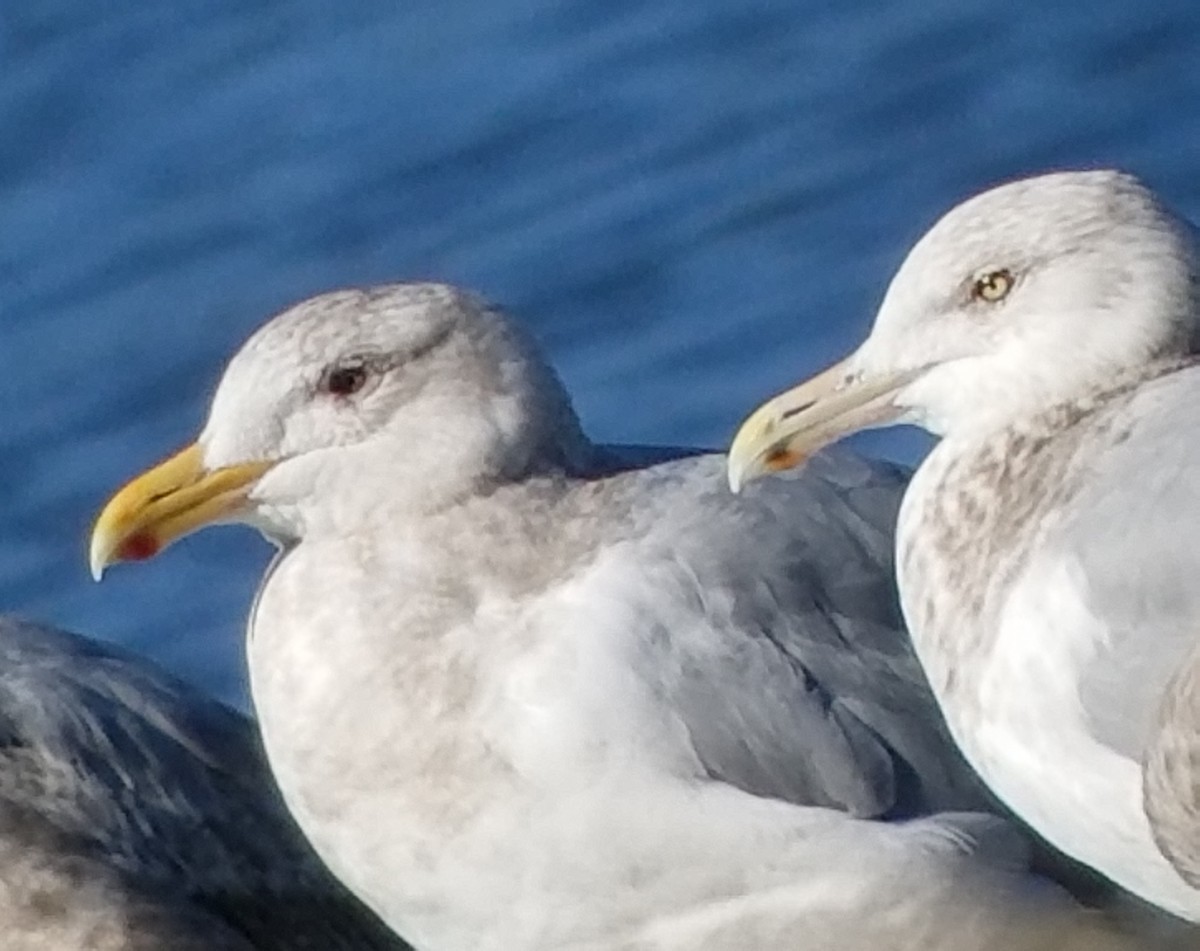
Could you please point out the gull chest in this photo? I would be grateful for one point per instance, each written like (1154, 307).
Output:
(996, 627)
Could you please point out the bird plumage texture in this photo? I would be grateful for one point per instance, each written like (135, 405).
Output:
(524, 691)
(137, 814)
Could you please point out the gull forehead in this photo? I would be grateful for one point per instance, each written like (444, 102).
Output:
(387, 317)
(1070, 246)
(1031, 220)
(1056, 204)
(275, 374)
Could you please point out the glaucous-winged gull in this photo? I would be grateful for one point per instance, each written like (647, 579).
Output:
(1046, 329)
(525, 692)
(138, 815)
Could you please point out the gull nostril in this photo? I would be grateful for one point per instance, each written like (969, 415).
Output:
(789, 413)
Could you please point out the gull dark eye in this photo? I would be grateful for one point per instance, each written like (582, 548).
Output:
(993, 286)
(344, 380)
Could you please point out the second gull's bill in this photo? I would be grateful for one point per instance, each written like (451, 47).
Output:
(1046, 551)
(527, 692)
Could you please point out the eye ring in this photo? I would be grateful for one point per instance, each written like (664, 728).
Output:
(344, 380)
(993, 286)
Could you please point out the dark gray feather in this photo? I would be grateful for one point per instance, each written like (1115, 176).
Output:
(110, 768)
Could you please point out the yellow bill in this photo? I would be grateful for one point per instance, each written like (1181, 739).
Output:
(173, 499)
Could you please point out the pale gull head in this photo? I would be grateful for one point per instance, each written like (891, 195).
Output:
(421, 385)
(1031, 294)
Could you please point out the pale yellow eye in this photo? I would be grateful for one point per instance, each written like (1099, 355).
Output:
(993, 286)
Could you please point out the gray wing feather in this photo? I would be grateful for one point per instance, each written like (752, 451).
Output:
(1127, 530)
(110, 764)
(793, 672)
(795, 678)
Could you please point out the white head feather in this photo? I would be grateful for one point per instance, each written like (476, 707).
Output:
(1102, 280)
(452, 394)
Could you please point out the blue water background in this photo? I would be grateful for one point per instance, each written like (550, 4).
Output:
(692, 202)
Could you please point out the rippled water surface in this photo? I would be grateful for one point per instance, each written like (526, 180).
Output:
(692, 202)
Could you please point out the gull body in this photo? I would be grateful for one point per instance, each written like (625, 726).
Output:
(1046, 331)
(526, 692)
(137, 815)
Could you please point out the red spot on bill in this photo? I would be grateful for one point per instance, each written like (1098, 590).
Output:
(781, 459)
(138, 547)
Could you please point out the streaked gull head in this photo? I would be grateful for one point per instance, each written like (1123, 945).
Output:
(1031, 294)
(423, 388)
